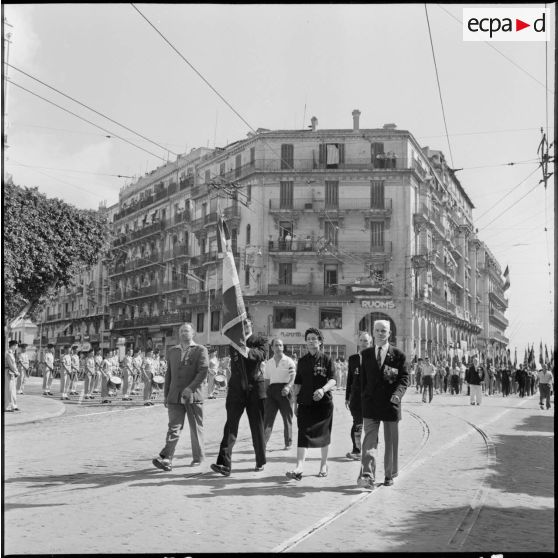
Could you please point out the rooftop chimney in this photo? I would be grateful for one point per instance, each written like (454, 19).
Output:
(356, 116)
(390, 126)
(314, 121)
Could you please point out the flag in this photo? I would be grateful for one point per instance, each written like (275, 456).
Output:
(515, 359)
(546, 359)
(541, 360)
(506, 278)
(531, 360)
(526, 358)
(19, 318)
(234, 311)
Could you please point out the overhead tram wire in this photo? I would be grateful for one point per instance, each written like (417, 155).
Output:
(438, 82)
(69, 170)
(91, 109)
(85, 119)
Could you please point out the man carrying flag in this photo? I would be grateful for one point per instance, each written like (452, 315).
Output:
(246, 387)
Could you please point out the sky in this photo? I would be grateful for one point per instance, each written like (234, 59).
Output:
(277, 66)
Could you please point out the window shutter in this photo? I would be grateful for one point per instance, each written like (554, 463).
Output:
(322, 154)
(341, 147)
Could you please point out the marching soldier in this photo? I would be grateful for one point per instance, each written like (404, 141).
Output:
(10, 378)
(23, 366)
(127, 374)
(98, 365)
(48, 369)
(105, 375)
(74, 370)
(65, 372)
(147, 376)
(89, 375)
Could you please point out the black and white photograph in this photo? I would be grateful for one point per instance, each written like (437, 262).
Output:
(278, 278)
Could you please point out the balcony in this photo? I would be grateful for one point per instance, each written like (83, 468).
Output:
(174, 285)
(291, 290)
(498, 336)
(65, 339)
(177, 251)
(499, 297)
(179, 218)
(327, 208)
(52, 317)
(141, 292)
(499, 317)
(186, 182)
(146, 231)
(441, 301)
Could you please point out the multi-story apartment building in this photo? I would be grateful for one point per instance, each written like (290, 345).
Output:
(330, 228)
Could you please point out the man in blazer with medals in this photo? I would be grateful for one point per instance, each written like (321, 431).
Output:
(383, 381)
(185, 380)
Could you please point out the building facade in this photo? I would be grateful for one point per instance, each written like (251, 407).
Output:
(330, 228)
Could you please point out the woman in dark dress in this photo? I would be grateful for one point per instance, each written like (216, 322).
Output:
(313, 384)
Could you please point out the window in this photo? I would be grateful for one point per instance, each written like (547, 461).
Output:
(377, 155)
(285, 274)
(249, 193)
(247, 275)
(330, 279)
(238, 166)
(222, 169)
(204, 209)
(234, 241)
(377, 194)
(331, 229)
(248, 234)
(286, 195)
(331, 194)
(199, 321)
(215, 320)
(287, 156)
(252, 156)
(331, 155)
(207, 176)
(284, 318)
(377, 233)
(331, 318)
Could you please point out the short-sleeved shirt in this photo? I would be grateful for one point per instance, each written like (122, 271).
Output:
(312, 373)
(279, 373)
(67, 362)
(545, 377)
(49, 360)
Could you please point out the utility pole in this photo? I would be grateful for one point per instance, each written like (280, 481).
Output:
(555, 200)
(5, 56)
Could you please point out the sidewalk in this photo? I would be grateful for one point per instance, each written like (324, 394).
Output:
(33, 408)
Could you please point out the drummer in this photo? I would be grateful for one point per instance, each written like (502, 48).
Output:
(127, 373)
(106, 370)
(136, 370)
(147, 376)
(98, 364)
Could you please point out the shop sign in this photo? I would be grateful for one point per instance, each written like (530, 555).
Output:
(291, 334)
(377, 304)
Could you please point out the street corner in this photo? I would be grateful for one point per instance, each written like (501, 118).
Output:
(33, 408)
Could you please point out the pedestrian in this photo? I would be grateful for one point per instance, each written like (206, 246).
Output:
(89, 366)
(11, 374)
(383, 382)
(475, 376)
(106, 370)
(418, 378)
(532, 381)
(246, 391)
(147, 377)
(428, 374)
(48, 369)
(280, 372)
(546, 380)
(314, 382)
(74, 370)
(98, 365)
(454, 381)
(65, 372)
(213, 371)
(127, 373)
(506, 380)
(353, 396)
(23, 367)
(186, 372)
(462, 370)
(136, 370)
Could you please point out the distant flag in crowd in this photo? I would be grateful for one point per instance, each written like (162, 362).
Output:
(541, 360)
(532, 361)
(234, 311)
(546, 359)
(515, 359)
(506, 278)
(526, 358)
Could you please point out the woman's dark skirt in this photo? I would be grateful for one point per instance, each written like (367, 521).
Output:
(314, 425)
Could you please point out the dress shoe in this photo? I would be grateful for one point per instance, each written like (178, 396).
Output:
(221, 469)
(351, 455)
(388, 482)
(293, 475)
(366, 482)
(195, 463)
(288, 447)
(162, 463)
(258, 469)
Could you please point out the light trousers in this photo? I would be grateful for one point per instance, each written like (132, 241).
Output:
(10, 401)
(476, 394)
(371, 428)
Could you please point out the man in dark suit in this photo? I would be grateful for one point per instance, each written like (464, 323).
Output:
(383, 382)
(474, 377)
(246, 390)
(352, 394)
(185, 377)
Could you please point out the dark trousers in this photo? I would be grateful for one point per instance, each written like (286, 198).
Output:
(427, 384)
(505, 386)
(277, 402)
(255, 410)
(454, 382)
(544, 390)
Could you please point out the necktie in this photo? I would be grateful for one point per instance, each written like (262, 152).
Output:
(379, 357)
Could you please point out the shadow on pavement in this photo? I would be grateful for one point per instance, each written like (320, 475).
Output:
(539, 423)
(9, 507)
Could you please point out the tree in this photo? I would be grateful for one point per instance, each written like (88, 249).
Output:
(46, 243)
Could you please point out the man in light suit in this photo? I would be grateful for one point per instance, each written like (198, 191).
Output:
(185, 380)
(383, 382)
(10, 378)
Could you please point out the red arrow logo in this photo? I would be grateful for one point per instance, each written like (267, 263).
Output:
(519, 25)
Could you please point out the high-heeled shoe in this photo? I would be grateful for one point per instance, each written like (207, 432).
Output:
(293, 475)
(323, 473)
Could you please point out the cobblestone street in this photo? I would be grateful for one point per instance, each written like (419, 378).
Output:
(471, 479)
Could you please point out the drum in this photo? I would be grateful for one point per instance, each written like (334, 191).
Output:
(221, 380)
(114, 382)
(158, 381)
